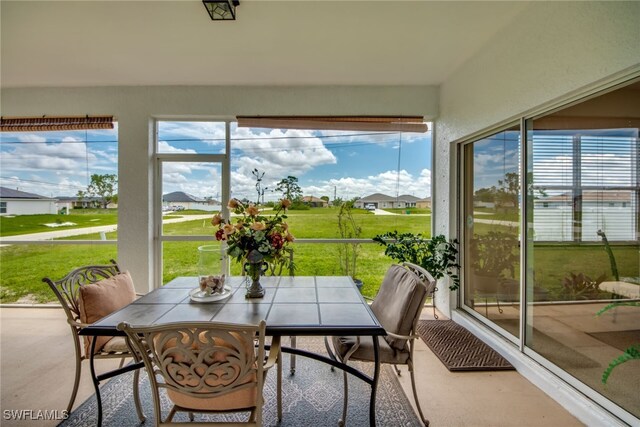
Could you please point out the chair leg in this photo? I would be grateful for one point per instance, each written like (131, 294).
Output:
(192, 417)
(397, 369)
(121, 363)
(343, 421)
(292, 357)
(136, 395)
(415, 395)
(279, 387)
(76, 383)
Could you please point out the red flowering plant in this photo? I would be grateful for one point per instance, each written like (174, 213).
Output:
(251, 230)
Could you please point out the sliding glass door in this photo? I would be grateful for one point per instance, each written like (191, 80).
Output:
(580, 311)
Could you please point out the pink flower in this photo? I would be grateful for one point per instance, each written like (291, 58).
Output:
(217, 220)
(220, 235)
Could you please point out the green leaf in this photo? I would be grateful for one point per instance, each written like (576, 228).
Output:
(631, 353)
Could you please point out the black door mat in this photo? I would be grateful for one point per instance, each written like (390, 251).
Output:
(458, 349)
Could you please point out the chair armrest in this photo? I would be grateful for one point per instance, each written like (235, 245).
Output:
(77, 324)
(274, 353)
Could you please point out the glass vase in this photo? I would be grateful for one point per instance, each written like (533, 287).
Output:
(255, 267)
(208, 261)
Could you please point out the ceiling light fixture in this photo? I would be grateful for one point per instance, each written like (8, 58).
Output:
(221, 10)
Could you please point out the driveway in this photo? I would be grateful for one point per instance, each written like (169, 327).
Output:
(49, 235)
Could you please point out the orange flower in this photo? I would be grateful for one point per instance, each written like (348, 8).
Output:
(258, 226)
(252, 210)
(239, 226)
(289, 237)
(217, 220)
(233, 203)
(284, 226)
(285, 203)
(228, 229)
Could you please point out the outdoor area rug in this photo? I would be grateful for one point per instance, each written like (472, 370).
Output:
(311, 397)
(458, 349)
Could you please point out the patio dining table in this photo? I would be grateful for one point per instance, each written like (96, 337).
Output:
(292, 306)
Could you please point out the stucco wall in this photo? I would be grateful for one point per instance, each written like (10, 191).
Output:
(134, 108)
(549, 51)
(30, 207)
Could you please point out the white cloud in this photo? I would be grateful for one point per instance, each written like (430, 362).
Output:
(384, 182)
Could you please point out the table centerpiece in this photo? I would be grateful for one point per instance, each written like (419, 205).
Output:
(259, 242)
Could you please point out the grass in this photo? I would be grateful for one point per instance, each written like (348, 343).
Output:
(23, 266)
(409, 211)
(27, 224)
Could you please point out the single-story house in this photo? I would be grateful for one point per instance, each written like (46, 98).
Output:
(424, 203)
(182, 200)
(382, 201)
(74, 202)
(16, 202)
(315, 202)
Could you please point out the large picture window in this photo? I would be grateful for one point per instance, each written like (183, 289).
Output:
(59, 206)
(385, 177)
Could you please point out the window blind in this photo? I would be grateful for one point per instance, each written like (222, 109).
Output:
(585, 183)
(51, 123)
(355, 123)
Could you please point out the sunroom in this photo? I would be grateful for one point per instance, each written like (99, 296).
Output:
(533, 116)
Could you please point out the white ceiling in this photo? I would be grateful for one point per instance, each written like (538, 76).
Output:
(98, 43)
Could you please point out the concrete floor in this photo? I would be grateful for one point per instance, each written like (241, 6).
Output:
(37, 364)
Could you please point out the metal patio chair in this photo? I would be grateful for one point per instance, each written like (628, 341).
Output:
(68, 291)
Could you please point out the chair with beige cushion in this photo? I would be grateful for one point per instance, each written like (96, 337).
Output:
(205, 367)
(397, 306)
(87, 294)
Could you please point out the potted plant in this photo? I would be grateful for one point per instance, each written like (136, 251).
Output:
(436, 255)
(348, 252)
(493, 258)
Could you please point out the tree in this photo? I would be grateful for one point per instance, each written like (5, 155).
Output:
(325, 198)
(290, 188)
(259, 188)
(104, 187)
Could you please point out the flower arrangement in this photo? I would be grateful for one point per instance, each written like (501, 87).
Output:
(251, 231)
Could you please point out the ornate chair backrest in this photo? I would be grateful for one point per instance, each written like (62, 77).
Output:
(202, 360)
(67, 288)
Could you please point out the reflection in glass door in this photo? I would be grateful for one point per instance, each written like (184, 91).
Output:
(491, 228)
(584, 251)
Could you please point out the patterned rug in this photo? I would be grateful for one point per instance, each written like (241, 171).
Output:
(311, 397)
(458, 349)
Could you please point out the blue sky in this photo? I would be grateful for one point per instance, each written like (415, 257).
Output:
(353, 164)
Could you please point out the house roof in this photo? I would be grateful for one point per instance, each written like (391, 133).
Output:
(8, 193)
(379, 197)
(313, 199)
(179, 196)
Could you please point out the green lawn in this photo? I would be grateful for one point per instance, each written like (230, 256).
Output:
(23, 266)
(26, 224)
(409, 211)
